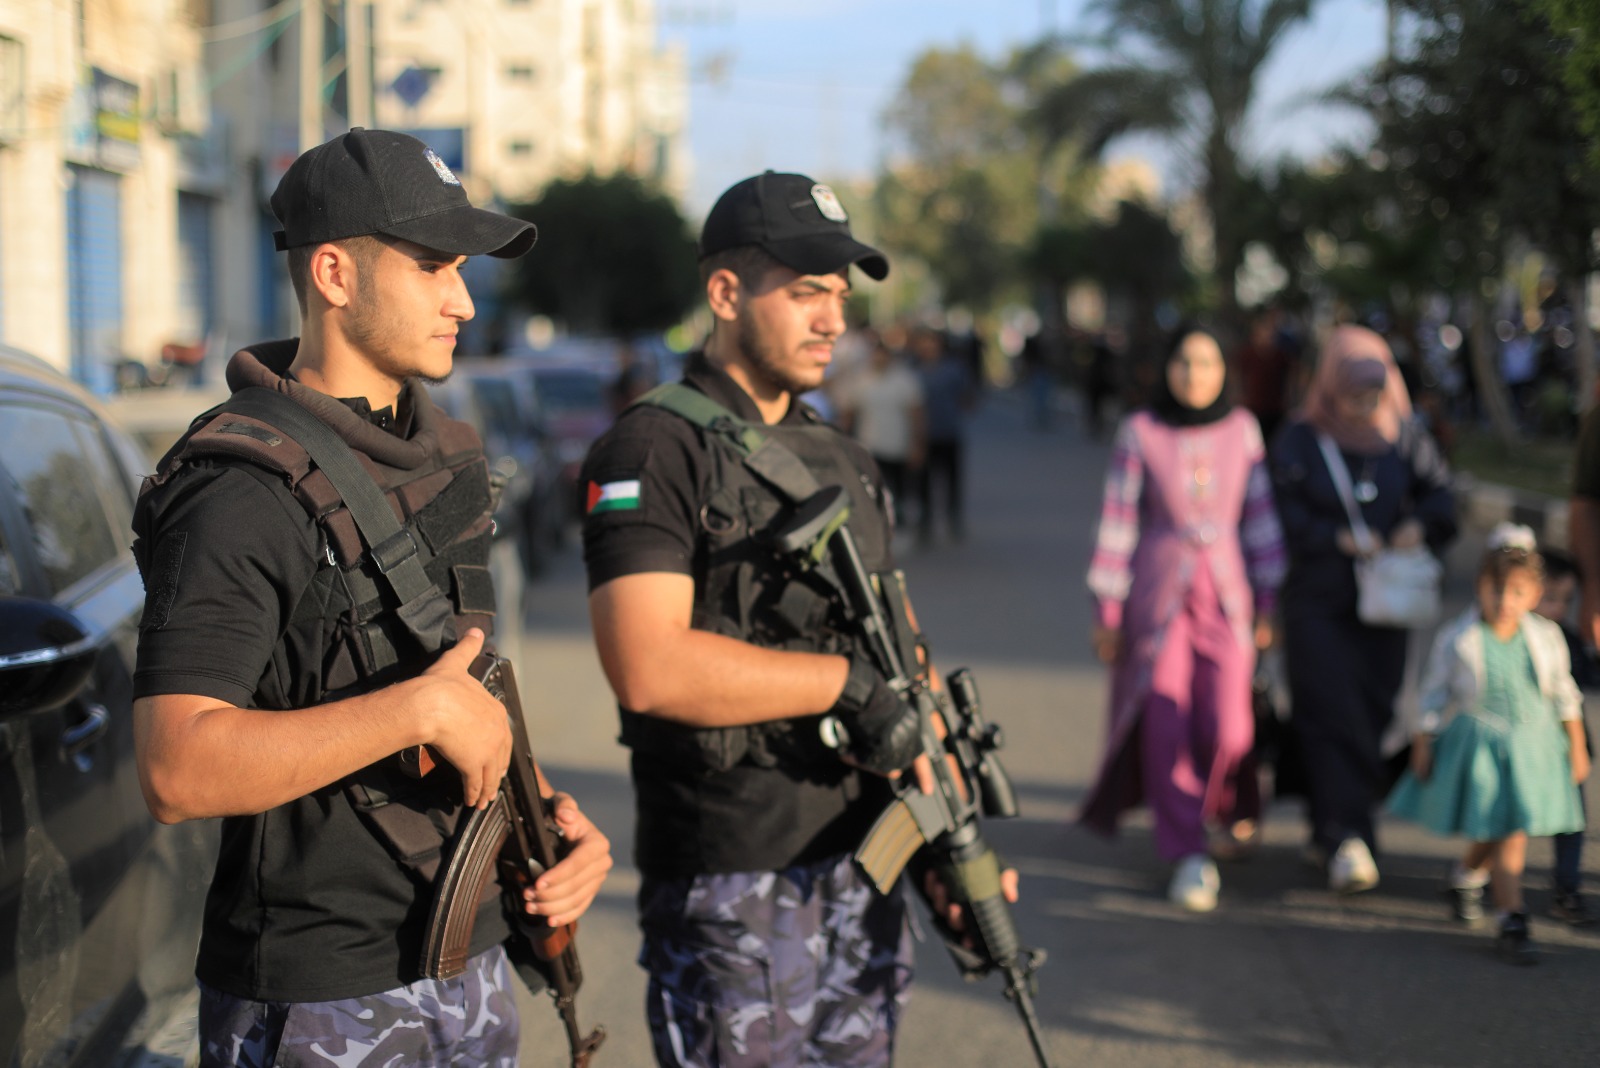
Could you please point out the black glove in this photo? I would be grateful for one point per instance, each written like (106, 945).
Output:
(885, 733)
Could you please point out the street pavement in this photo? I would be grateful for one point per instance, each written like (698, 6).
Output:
(1283, 973)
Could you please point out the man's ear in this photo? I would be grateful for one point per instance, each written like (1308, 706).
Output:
(723, 294)
(332, 275)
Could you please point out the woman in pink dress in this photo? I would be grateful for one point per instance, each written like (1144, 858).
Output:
(1187, 562)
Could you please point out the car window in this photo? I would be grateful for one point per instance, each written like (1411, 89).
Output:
(62, 480)
(575, 392)
(9, 582)
(499, 403)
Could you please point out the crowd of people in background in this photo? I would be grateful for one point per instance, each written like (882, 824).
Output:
(1247, 504)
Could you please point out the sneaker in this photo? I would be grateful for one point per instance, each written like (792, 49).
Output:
(1352, 869)
(1570, 908)
(1195, 884)
(1514, 944)
(1466, 904)
(1237, 841)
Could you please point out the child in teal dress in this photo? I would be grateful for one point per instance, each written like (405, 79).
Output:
(1509, 758)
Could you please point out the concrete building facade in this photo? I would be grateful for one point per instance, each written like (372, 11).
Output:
(107, 181)
(140, 141)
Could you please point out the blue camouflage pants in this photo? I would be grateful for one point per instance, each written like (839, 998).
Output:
(809, 966)
(470, 1021)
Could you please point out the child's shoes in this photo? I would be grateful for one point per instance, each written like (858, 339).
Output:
(1570, 908)
(1513, 943)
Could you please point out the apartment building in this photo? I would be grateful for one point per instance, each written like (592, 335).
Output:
(109, 172)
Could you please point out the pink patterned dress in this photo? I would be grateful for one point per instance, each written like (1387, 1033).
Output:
(1189, 553)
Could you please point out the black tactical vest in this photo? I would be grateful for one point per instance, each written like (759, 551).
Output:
(444, 505)
(745, 590)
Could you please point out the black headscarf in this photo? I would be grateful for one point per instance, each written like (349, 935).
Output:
(1168, 408)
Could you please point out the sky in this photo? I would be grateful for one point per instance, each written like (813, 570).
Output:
(802, 86)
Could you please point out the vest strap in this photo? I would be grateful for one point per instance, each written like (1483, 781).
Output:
(768, 458)
(423, 609)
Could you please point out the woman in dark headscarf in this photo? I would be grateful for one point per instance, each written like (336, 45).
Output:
(1187, 561)
(1344, 675)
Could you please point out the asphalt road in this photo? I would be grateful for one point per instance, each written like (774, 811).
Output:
(1283, 973)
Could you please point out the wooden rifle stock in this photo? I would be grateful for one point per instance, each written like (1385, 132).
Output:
(517, 835)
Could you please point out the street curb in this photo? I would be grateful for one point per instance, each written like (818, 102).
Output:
(1486, 503)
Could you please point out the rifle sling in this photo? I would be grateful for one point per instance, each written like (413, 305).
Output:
(424, 610)
(768, 458)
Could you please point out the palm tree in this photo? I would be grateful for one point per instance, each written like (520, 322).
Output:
(1192, 70)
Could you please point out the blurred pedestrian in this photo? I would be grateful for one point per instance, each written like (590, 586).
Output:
(882, 408)
(1344, 674)
(1561, 581)
(1509, 756)
(947, 396)
(1187, 563)
(1264, 368)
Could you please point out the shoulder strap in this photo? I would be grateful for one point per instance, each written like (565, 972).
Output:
(771, 460)
(1341, 482)
(424, 609)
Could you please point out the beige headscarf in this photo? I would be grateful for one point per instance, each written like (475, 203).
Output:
(1355, 360)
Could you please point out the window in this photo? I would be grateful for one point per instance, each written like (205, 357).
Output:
(519, 72)
(65, 481)
(13, 101)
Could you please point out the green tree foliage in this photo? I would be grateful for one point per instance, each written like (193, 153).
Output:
(613, 257)
(1578, 22)
(971, 175)
(1195, 61)
(1476, 131)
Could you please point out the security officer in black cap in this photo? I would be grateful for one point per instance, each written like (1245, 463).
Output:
(278, 674)
(764, 943)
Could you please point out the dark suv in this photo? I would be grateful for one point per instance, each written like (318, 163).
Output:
(99, 905)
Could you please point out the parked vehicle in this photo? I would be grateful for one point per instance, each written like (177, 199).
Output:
(578, 406)
(504, 407)
(100, 906)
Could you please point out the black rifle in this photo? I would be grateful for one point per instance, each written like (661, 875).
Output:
(969, 779)
(518, 835)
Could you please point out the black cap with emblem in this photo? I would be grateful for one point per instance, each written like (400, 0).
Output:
(799, 221)
(382, 182)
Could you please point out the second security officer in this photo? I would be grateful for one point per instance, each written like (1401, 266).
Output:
(764, 942)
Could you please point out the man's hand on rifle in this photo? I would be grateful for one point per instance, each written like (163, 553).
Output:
(566, 891)
(463, 721)
(950, 911)
(885, 732)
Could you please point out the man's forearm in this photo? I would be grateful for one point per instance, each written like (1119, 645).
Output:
(201, 758)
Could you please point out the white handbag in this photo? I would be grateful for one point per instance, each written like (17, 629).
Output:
(1394, 587)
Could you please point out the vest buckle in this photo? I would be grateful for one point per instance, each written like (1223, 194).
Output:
(394, 550)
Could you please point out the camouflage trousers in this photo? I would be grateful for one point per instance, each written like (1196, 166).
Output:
(805, 967)
(470, 1021)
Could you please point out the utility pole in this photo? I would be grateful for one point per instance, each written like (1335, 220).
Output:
(311, 47)
(358, 62)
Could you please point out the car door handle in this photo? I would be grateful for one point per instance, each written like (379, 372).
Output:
(80, 736)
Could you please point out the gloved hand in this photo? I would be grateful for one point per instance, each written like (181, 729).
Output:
(884, 731)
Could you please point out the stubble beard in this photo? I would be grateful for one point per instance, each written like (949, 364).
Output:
(765, 359)
(379, 338)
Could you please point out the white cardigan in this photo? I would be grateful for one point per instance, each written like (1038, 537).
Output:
(1454, 676)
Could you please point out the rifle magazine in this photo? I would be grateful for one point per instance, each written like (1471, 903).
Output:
(460, 889)
(889, 846)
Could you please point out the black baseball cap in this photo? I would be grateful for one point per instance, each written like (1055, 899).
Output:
(796, 219)
(383, 182)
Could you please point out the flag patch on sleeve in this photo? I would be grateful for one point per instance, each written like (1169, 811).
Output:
(620, 496)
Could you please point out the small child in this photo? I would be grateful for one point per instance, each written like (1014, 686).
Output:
(1507, 763)
(1561, 580)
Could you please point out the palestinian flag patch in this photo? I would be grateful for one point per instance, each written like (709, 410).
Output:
(613, 496)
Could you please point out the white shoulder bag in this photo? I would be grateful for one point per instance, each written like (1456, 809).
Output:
(1394, 587)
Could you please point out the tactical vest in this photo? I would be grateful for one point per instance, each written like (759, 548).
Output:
(745, 590)
(375, 637)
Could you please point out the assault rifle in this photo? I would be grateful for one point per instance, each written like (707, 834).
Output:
(969, 780)
(518, 835)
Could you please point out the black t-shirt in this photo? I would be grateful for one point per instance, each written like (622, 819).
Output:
(647, 480)
(306, 904)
